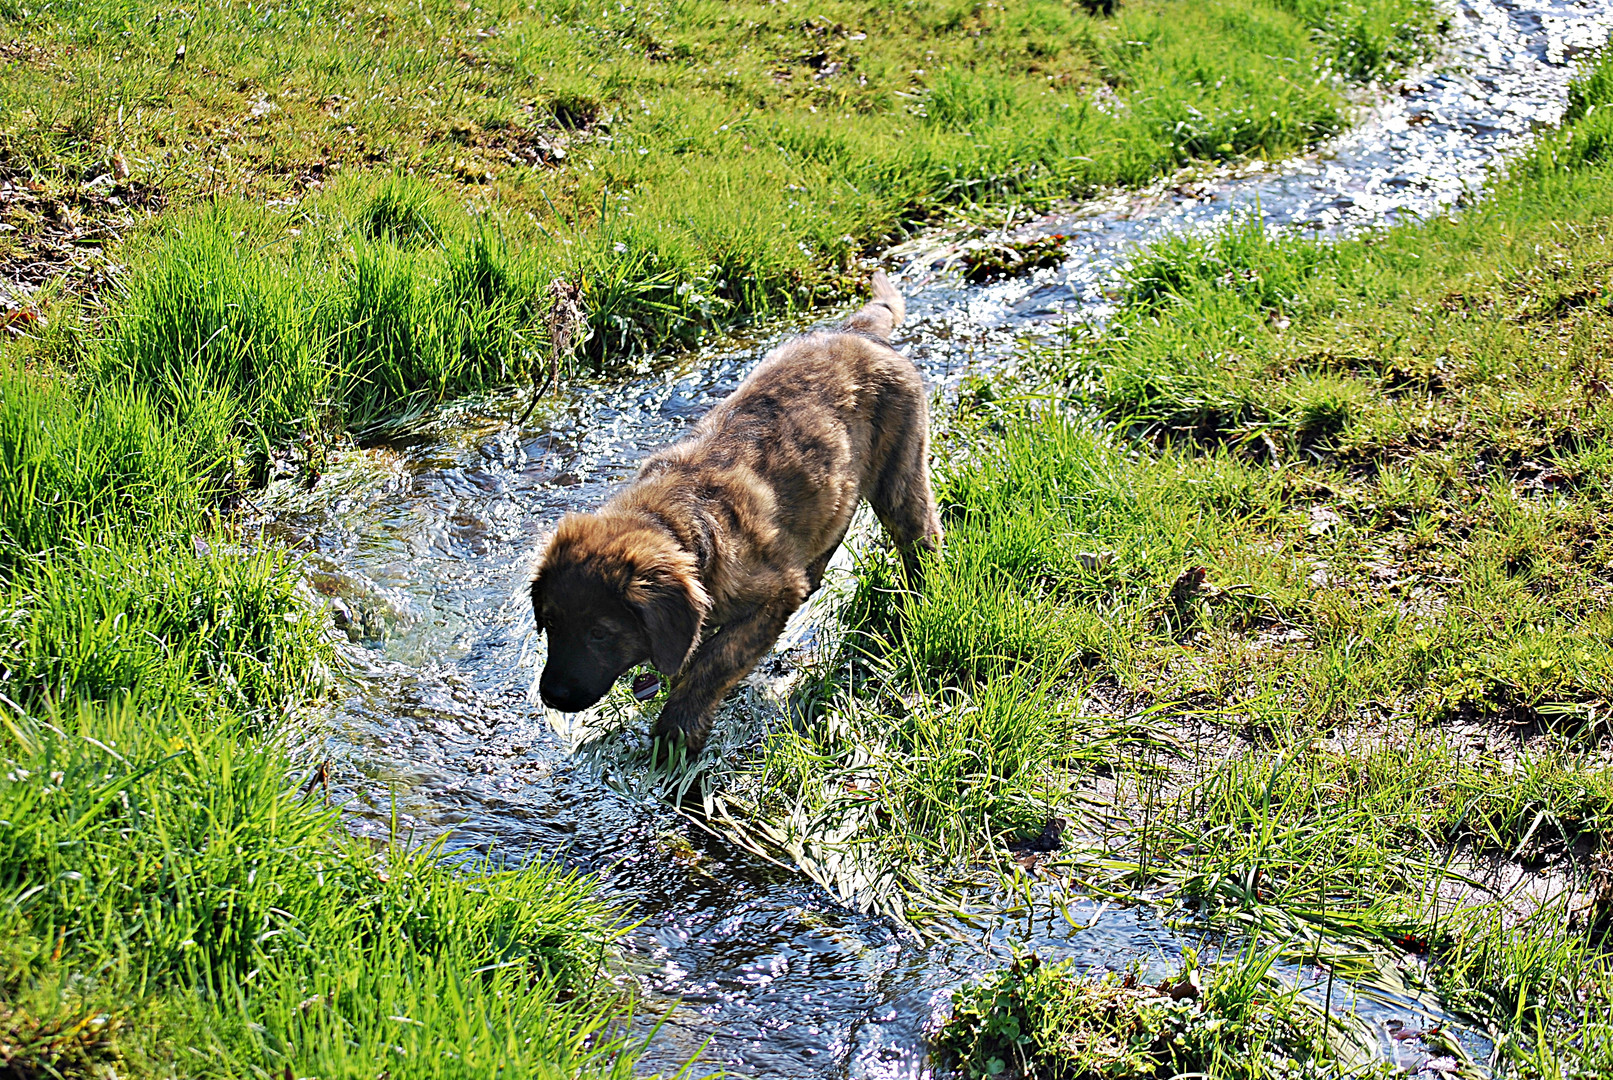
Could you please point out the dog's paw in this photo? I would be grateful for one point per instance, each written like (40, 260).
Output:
(689, 732)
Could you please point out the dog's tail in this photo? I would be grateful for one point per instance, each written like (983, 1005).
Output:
(883, 313)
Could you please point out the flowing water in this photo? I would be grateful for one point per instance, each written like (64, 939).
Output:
(422, 545)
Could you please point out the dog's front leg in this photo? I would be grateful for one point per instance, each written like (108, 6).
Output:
(719, 663)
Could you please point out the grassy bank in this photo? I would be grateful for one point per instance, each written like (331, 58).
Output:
(176, 898)
(684, 165)
(1283, 601)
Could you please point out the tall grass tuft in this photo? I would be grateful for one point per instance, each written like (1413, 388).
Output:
(412, 327)
(344, 324)
(401, 210)
(207, 315)
(111, 460)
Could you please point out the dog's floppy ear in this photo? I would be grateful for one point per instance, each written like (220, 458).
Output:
(537, 600)
(541, 566)
(542, 571)
(672, 604)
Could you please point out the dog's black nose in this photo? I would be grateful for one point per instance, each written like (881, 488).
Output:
(558, 693)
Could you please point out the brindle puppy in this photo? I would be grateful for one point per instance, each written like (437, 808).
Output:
(697, 564)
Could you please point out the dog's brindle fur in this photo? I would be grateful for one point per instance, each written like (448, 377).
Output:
(697, 564)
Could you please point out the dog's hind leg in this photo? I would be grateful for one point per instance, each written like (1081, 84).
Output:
(821, 563)
(903, 500)
(719, 663)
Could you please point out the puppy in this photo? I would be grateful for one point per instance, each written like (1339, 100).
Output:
(697, 564)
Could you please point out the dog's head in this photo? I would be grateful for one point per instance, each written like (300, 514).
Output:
(612, 593)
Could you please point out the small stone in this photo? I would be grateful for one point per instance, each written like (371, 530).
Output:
(1094, 560)
(1323, 520)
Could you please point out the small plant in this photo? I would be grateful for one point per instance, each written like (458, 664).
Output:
(1036, 1020)
(399, 211)
(1011, 258)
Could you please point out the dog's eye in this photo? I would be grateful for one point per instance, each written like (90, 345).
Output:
(597, 634)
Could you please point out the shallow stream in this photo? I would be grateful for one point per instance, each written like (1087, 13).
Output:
(422, 545)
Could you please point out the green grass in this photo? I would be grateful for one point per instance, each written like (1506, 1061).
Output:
(116, 572)
(164, 876)
(327, 217)
(685, 164)
(174, 899)
(1290, 590)
(344, 320)
(271, 225)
